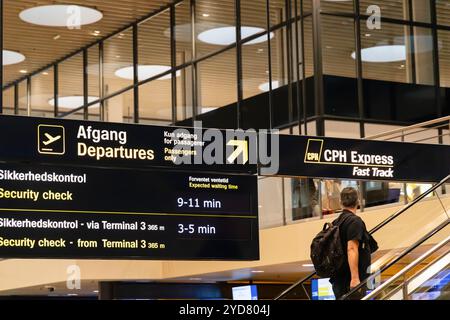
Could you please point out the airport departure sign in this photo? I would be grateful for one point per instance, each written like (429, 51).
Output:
(82, 190)
(112, 144)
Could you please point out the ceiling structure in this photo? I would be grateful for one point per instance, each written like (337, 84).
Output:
(217, 76)
(41, 44)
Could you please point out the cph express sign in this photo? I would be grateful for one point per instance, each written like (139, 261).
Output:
(375, 165)
(362, 159)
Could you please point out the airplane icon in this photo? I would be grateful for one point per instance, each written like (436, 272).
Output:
(51, 139)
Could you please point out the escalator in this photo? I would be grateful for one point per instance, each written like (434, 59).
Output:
(412, 262)
(414, 282)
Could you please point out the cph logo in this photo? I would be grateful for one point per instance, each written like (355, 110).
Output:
(314, 151)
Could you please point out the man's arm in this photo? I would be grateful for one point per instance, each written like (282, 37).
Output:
(353, 260)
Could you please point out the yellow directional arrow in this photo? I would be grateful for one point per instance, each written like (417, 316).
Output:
(241, 148)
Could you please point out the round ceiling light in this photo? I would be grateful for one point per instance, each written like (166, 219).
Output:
(225, 36)
(12, 57)
(73, 102)
(145, 72)
(265, 86)
(385, 53)
(61, 15)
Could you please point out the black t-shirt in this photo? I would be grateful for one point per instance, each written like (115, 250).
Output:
(353, 228)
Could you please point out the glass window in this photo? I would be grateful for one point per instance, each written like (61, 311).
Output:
(280, 80)
(307, 6)
(120, 108)
(385, 53)
(75, 116)
(336, 6)
(255, 111)
(342, 129)
(331, 196)
(215, 25)
(422, 55)
(443, 12)
(304, 198)
(70, 84)
(309, 54)
(217, 82)
(444, 57)
(154, 46)
(93, 71)
(396, 9)
(118, 62)
(414, 190)
(338, 46)
(279, 58)
(254, 20)
(255, 60)
(155, 102)
(378, 193)
(421, 10)
(94, 113)
(270, 195)
(184, 94)
(254, 14)
(277, 12)
(8, 101)
(183, 32)
(339, 66)
(23, 98)
(42, 94)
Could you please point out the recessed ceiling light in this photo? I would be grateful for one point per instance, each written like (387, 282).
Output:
(308, 265)
(368, 35)
(145, 72)
(45, 73)
(12, 57)
(224, 36)
(23, 71)
(258, 271)
(72, 295)
(95, 291)
(57, 37)
(206, 15)
(265, 86)
(60, 15)
(208, 109)
(73, 102)
(385, 53)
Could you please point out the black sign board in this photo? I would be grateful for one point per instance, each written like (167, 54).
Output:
(78, 189)
(85, 212)
(363, 159)
(113, 144)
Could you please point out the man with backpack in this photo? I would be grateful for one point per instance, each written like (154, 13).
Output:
(342, 251)
(355, 242)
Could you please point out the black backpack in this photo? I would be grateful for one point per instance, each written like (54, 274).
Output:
(327, 253)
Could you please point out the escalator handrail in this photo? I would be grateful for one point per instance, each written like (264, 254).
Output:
(398, 258)
(409, 267)
(372, 231)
